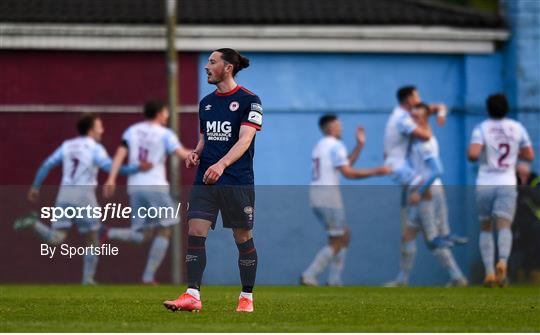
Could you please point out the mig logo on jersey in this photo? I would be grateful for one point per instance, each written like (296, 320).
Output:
(218, 130)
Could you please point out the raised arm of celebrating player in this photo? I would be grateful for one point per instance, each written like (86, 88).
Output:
(212, 174)
(360, 142)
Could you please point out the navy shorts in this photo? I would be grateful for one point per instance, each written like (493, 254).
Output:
(236, 204)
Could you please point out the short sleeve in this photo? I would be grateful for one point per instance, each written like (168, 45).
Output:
(253, 115)
(338, 155)
(525, 140)
(100, 156)
(477, 136)
(126, 137)
(406, 124)
(171, 141)
(56, 157)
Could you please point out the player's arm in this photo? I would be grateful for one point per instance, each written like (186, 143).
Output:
(173, 145)
(53, 160)
(526, 151)
(441, 110)
(104, 162)
(407, 126)
(360, 142)
(475, 149)
(351, 173)
(435, 171)
(110, 184)
(126, 169)
(246, 136)
(476, 146)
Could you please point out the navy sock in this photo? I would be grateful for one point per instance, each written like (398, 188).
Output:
(195, 261)
(247, 263)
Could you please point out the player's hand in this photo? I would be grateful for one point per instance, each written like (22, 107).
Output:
(145, 166)
(33, 195)
(360, 135)
(441, 120)
(108, 189)
(414, 198)
(213, 173)
(192, 160)
(442, 111)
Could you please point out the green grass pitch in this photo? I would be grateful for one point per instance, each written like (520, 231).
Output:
(136, 308)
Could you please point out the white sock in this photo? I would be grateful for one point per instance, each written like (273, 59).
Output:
(408, 254)
(194, 293)
(125, 235)
(336, 267)
(155, 257)
(42, 230)
(447, 260)
(48, 235)
(323, 257)
(89, 268)
(504, 243)
(487, 251)
(246, 295)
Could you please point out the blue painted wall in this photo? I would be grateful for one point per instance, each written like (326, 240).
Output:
(295, 90)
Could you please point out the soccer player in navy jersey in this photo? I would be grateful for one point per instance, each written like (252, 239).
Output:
(229, 118)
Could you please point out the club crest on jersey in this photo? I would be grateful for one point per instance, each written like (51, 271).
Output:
(233, 106)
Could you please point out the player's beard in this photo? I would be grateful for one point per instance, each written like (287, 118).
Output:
(215, 79)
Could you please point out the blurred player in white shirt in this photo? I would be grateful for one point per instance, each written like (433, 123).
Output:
(329, 160)
(497, 143)
(427, 211)
(401, 129)
(80, 157)
(149, 141)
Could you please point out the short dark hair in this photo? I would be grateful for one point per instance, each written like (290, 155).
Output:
(152, 108)
(233, 57)
(497, 106)
(325, 120)
(405, 92)
(86, 122)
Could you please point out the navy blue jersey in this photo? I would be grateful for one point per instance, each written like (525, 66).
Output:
(220, 118)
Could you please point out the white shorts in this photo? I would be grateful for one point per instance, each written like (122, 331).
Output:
(441, 209)
(496, 202)
(333, 219)
(156, 200)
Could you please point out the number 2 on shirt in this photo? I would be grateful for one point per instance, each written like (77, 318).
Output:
(504, 150)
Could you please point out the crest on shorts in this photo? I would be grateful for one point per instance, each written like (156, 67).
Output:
(233, 106)
(249, 212)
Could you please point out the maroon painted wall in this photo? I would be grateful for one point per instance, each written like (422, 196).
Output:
(26, 138)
